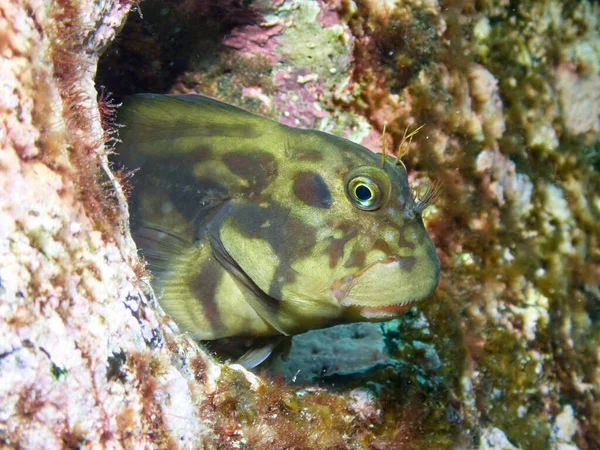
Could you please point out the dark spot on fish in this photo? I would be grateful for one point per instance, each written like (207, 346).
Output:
(407, 262)
(309, 155)
(402, 241)
(257, 168)
(251, 220)
(335, 250)
(383, 246)
(173, 182)
(242, 164)
(269, 165)
(310, 188)
(356, 258)
(204, 286)
(301, 238)
(270, 225)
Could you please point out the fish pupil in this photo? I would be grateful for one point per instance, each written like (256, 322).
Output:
(363, 193)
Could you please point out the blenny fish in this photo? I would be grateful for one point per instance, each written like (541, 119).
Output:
(254, 228)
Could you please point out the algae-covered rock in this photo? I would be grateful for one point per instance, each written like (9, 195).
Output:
(85, 359)
(507, 347)
(503, 356)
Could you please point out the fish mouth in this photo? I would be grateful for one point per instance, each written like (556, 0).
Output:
(375, 313)
(388, 287)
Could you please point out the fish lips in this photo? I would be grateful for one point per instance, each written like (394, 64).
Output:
(386, 288)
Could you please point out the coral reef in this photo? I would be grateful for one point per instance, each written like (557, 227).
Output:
(505, 355)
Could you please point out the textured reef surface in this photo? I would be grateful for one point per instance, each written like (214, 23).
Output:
(505, 355)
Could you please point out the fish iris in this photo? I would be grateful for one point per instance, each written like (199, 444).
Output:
(364, 193)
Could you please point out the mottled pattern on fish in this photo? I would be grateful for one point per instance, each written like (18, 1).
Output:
(255, 228)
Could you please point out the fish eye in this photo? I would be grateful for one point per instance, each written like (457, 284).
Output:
(364, 193)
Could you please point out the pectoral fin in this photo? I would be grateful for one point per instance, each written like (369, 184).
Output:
(265, 306)
(159, 247)
(258, 355)
(250, 352)
(196, 290)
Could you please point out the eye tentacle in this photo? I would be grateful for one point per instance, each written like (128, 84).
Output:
(383, 149)
(404, 149)
(431, 195)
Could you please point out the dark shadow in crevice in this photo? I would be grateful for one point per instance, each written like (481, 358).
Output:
(171, 36)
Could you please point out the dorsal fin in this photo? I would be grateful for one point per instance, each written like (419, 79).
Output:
(153, 124)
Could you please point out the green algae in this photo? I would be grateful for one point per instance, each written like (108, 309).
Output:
(271, 415)
(276, 416)
(418, 397)
(306, 43)
(509, 385)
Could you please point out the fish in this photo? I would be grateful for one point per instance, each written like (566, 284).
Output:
(254, 228)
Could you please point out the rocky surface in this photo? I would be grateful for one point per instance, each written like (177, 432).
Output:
(505, 355)
(85, 359)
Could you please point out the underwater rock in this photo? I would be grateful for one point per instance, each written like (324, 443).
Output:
(580, 99)
(85, 360)
(350, 350)
(505, 355)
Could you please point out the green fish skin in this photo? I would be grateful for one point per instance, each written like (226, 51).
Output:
(253, 228)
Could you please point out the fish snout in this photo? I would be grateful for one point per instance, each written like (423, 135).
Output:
(385, 288)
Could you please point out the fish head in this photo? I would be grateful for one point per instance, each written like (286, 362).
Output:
(335, 235)
(389, 261)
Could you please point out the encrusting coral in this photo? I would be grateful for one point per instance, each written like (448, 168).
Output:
(505, 355)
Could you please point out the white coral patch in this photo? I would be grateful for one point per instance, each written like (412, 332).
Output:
(555, 203)
(534, 313)
(565, 425)
(488, 105)
(494, 439)
(506, 184)
(180, 412)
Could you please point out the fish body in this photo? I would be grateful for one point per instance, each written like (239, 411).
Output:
(254, 228)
